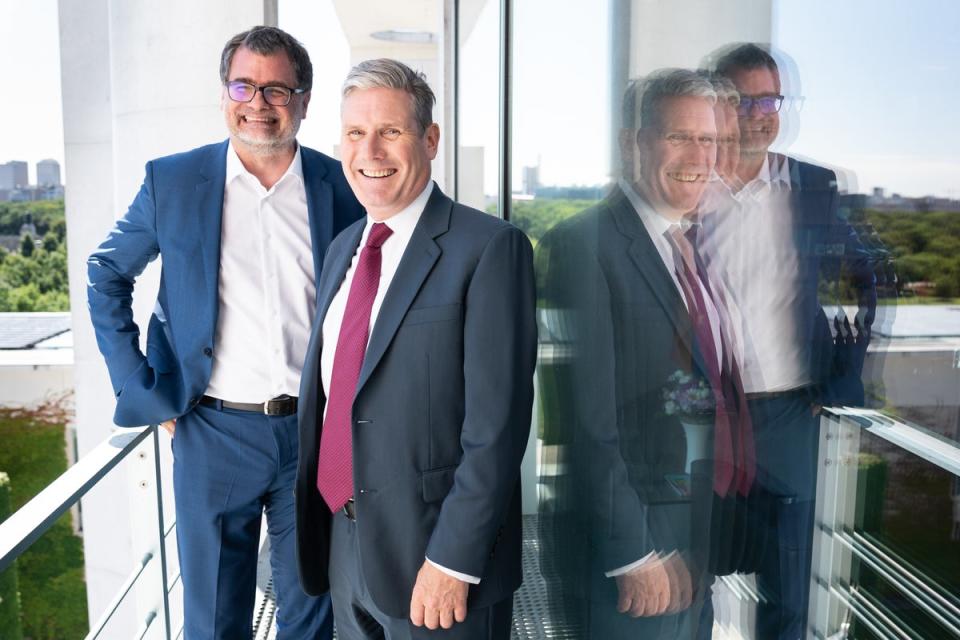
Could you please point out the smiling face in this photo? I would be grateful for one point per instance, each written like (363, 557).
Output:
(256, 126)
(758, 130)
(386, 158)
(676, 155)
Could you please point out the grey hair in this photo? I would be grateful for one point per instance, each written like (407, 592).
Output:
(726, 90)
(650, 91)
(385, 73)
(266, 41)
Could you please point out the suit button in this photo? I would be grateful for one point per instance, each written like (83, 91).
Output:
(207, 351)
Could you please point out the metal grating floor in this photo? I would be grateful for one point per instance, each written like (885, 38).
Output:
(533, 618)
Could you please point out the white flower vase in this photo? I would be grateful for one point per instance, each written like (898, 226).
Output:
(697, 433)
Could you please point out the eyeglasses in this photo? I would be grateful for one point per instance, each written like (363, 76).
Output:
(767, 104)
(276, 95)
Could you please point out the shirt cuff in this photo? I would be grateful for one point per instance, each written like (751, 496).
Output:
(456, 574)
(630, 567)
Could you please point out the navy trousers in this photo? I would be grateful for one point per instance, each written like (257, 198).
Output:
(229, 467)
(787, 437)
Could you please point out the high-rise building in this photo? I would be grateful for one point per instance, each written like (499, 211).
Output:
(13, 174)
(531, 179)
(48, 173)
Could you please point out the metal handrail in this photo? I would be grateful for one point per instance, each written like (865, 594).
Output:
(32, 520)
(936, 451)
(894, 574)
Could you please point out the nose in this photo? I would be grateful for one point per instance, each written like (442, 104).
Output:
(373, 147)
(259, 102)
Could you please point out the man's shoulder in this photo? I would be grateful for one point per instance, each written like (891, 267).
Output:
(809, 175)
(191, 157)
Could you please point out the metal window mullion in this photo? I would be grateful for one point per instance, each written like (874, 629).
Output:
(506, 79)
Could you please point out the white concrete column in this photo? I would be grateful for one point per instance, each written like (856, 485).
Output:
(140, 80)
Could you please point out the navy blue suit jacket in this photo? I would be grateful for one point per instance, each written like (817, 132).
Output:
(441, 413)
(177, 214)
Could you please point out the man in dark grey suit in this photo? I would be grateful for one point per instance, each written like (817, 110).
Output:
(417, 389)
(629, 518)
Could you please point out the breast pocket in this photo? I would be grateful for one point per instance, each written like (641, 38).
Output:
(440, 313)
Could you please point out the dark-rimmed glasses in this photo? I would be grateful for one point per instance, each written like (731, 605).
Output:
(767, 104)
(276, 95)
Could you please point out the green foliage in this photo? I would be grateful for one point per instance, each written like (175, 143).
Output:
(43, 213)
(26, 246)
(536, 217)
(35, 279)
(50, 573)
(10, 628)
(925, 245)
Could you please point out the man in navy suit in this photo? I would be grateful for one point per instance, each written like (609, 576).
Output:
(625, 519)
(776, 235)
(417, 389)
(242, 226)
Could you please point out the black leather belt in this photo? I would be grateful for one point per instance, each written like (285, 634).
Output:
(350, 510)
(280, 406)
(773, 395)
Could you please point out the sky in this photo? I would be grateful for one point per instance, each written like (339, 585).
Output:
(880, 79)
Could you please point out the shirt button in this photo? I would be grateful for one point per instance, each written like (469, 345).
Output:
(207, 351)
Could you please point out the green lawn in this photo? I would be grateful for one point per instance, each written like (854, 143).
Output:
(52, 588)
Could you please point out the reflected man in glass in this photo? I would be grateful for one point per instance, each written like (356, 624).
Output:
(625, 513)
(775, 235)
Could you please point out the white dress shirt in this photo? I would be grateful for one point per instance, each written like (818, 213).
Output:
(266, 289)
(391, 251)
(751, 242)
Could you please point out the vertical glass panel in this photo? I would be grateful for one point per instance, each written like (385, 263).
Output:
(478, 109)
(738, 226)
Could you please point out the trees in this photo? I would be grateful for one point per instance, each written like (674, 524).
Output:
(35, 278)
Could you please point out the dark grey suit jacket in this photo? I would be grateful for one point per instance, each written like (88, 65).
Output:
(441, 413)
(629, 330)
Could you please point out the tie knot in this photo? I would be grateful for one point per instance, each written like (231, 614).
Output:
(379, 233)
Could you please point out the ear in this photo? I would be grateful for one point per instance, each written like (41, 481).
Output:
(306, 101)
(626, 140)
(432, 136)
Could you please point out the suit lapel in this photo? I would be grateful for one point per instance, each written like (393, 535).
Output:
(332, 276)
(418, 259)
(209, 194)
(319, 208)
(647, 259)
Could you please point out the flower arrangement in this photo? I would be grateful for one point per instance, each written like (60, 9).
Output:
(689, 398)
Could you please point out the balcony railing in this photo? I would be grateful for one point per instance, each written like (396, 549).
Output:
(859, 580)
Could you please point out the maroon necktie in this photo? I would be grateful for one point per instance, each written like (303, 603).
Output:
(734, 459)
(335, 468)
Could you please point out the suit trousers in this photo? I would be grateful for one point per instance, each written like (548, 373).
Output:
(229, 467)
(787, 437)
(358, 617)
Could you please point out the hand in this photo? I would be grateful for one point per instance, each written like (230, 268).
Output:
(438, 599)
(681, 584)
(656, 587)
(169, 426)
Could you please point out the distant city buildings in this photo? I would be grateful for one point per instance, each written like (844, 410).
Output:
(15, 182)
(880, 201)
(13, 175)
(48, 173)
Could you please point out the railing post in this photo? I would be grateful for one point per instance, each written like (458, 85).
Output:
(161, 533)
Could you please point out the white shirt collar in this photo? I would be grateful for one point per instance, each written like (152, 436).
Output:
(235, 167)
(403, 222)
(656, 223)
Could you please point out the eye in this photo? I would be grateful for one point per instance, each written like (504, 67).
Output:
(677, 139)
(391, 133)
(353, 134)
(707, 141)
